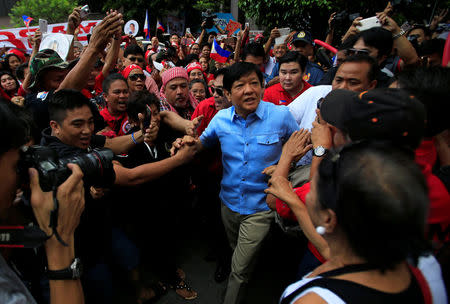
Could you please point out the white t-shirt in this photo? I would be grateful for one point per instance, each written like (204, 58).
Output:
(303, 108)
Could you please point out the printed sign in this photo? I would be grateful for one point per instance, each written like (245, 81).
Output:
(17, 37)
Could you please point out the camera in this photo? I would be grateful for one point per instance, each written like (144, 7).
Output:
(84, 12)
(208, 18)
(97, 167)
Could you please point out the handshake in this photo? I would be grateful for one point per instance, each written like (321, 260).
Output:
(187, 146)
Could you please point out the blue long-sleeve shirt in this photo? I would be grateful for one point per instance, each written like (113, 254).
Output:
(248, 146)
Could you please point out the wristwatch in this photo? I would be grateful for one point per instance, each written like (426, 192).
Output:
(319, 151)
(401, 33)
(73, 272)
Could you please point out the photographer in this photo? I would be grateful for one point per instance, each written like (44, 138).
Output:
(71, 205)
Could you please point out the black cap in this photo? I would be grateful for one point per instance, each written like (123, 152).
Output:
(383, 114)
(304, 36)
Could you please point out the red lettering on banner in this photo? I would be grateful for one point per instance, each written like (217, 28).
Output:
(24, 33)
(59, 29)
(87, 29)
(12, 38)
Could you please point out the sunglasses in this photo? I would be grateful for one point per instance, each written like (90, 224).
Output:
(135, 77)
(351, 52)
(138, 59)
(219, 91)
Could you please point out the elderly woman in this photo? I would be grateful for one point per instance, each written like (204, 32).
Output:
(195, 71)
(369, 202)
(199, 89)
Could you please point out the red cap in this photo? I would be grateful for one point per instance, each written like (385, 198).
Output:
(18, 54)
(194, 66)
(126, 72)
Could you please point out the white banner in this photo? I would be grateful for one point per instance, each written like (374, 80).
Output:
(17, 37)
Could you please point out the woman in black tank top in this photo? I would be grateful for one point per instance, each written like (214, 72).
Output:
(371, 200)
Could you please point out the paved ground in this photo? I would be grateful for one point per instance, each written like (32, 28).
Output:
(275, 269)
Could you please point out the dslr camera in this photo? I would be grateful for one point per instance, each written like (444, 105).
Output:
(208, 18)
(97, 167)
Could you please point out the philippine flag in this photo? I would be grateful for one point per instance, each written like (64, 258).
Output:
(26, 20)
(159, 26)
(219, 54)
(146, 29)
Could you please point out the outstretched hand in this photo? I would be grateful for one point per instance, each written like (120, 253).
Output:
(106, 29)
(297, 145)
(280, 187)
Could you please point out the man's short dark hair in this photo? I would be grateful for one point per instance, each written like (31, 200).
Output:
(219, 72)
(379, 38)
(348, 43)
(239, 70)
(426, 30)
(110, 79)
(64, 100)
(138, 101)
(14, 133)
(191, 58)
(253, 48)
(294, 56)
(363, 58)
(133, 49)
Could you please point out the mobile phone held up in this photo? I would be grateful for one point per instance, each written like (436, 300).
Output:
(43, 26)
(84, 12)
(147, 118)
(368, 23)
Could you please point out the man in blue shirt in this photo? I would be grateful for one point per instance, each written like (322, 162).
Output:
(251, 135)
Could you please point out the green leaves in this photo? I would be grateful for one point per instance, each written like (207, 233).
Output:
(54, 11)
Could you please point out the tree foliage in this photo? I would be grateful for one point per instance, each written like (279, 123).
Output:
(313, 14)
(54, 11)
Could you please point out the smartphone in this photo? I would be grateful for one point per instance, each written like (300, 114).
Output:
(148, 117)
(368, 23)
(43, 26)
(188, 30)
(84, 12)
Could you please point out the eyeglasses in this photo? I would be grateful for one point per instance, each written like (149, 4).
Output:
(218, 90)
(135, 77)
(351, 52)
(138, 59)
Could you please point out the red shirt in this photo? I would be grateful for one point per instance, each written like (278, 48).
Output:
(439, 212)
(278, 96)
(207, 108)
(119, 125)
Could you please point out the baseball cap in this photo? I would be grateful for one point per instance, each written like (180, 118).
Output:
(304, 36)
(45, 60)
(383, 114)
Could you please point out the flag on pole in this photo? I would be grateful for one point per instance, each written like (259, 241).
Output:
(26, 20)
(159, 26)
(146, 28)
(219, 54)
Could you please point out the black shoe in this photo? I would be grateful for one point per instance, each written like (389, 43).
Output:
(222, 273)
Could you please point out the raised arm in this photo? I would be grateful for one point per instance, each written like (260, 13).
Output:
(70, 196)
(274, 33)
(294, 149)
(152, 171)
(405, 49)
(77, 77)
(36, 42)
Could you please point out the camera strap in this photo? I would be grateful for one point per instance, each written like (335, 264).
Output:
(54, 218)
(21, 237)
